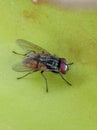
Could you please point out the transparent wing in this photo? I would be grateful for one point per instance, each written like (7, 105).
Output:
(20, 67)
(29, 46)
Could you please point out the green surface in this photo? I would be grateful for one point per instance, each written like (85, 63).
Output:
(24, 104)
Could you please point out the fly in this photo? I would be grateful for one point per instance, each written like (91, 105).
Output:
(38, 59)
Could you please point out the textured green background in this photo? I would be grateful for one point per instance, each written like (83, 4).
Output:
(24, 104)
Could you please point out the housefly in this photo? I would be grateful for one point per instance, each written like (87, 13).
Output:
(38, 59)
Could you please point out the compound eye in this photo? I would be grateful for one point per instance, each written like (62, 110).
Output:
(65, 67)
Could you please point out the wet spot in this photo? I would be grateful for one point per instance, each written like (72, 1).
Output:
(85, 54)
(76, 53)
(30, 15)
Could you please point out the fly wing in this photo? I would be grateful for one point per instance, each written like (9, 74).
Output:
(20, 67)
(29, 46)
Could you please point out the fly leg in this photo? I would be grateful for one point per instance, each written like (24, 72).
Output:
(57, 72)
(23, 54)
(65, 79)
(19, 53)
(45, 80)
(70, 63)
(24, 75)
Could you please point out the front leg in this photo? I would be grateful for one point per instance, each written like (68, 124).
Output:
(57, 72)
(65, 79)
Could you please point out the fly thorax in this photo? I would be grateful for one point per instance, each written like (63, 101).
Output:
(50, 61)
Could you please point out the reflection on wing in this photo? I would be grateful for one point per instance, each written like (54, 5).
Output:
(20, 67)
(29, 46)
